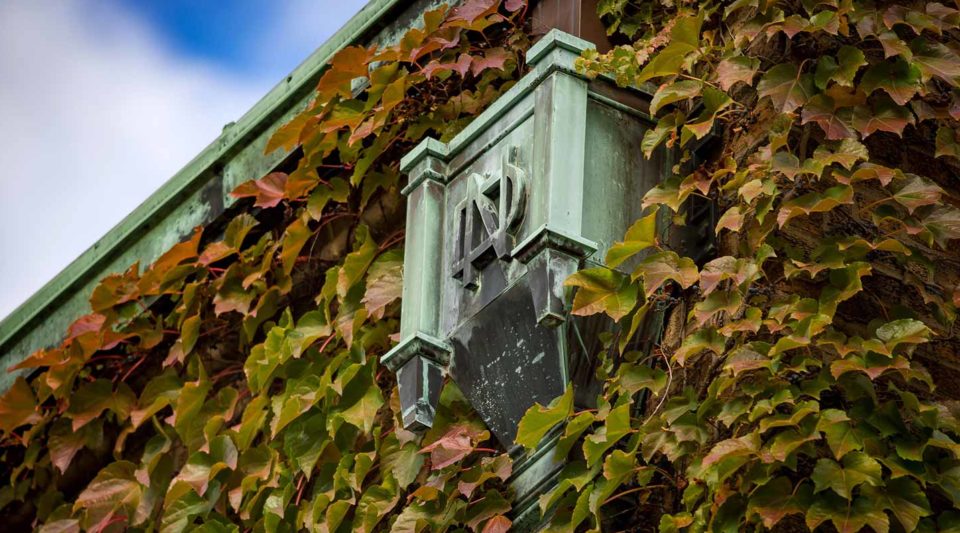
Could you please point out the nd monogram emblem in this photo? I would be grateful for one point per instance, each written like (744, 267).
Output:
(493, 208)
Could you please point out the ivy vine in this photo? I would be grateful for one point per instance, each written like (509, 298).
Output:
(234, 384)
(792, 386)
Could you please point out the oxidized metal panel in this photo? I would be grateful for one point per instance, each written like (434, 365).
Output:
(497, 219)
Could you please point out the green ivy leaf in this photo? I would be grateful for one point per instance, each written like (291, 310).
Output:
(903, 497)
(847, 517)
(677, 91)
(97, 397)
(602, 290)
(538, 420)
(634, 378)
(841, 435)
(640, 236)
(858, 468)
(946, 142)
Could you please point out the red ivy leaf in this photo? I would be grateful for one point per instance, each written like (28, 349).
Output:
(885, 115)
(462, 66)
(832, 121)
(457, 443)
(268, 190)
(497, 524)
(739, 68)
(515, 5)
(493, 58)
(473, 10)
(786, 86)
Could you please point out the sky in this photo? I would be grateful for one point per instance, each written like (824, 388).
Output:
(102, 101)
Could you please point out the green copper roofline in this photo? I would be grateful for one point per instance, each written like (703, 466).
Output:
(94, 263)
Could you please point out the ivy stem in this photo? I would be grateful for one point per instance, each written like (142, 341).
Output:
(635, 489)
(133, 367)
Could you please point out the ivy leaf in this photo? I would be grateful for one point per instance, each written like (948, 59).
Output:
(294, 238)
(189, 333)
(815, 202)
(847, 517)
(740, 270)
(898, 78)
(717, 302)
(669, 93)
(96, 397)
(159, 392)
(777, 499)
(66, 525)
(497, 524)
(377, 501)
(538, 420)
(666, 126)
(641, 235)
(943, 225)
(268, 190)
(384, 283)
(657, 268)
(181, 504)
(305, 440)
(18, 406)
(744, 446)
(403, 462)
(906, 330)
(64, 442)
(684, 40)
(602, 290)
(453, 446)
(786, 87)
(615, 427)
(735, 69)
(745, 359)
(935, 60)
(700, 340)
(947, 142)
(917, 192)
(356, 263)
(858, 468)
(338, 191)
(634, 378)
(834, 122)
(713, 102)
(363, 412)
(841, 436)
(883, 115)
(850, 60)
(494, 58)
(491, 505)
(904, 498)
(113, 493)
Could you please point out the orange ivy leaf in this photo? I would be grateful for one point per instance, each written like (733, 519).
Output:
(267, 190)
(18, 406)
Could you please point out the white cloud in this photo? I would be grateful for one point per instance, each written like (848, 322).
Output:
(95, 114)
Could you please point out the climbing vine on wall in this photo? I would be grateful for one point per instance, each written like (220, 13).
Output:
(234, 384)
(806, 376)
